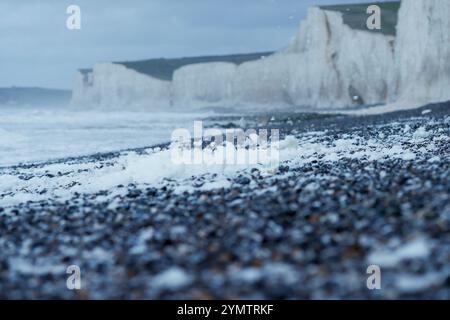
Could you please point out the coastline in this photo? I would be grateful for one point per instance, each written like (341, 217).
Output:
(308, 231)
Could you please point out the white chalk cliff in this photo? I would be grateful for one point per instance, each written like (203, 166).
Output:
(327, 65)
(337, 66)
(264, 81)
(203, 84)
(423, 52)
(114, 85)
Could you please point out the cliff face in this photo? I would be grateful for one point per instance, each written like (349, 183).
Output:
(327, 65)
(423, 52)
(112, 85)
(337, 66)
(264, 82)
(203, 84)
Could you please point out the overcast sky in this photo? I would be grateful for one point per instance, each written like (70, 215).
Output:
(38, 50)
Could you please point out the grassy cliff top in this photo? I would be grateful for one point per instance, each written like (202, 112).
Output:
(164, 68)
(355, 15)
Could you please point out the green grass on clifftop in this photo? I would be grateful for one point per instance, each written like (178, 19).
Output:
(164, 68)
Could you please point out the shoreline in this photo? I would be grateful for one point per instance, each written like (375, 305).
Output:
(323, 120)
(351, 196)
